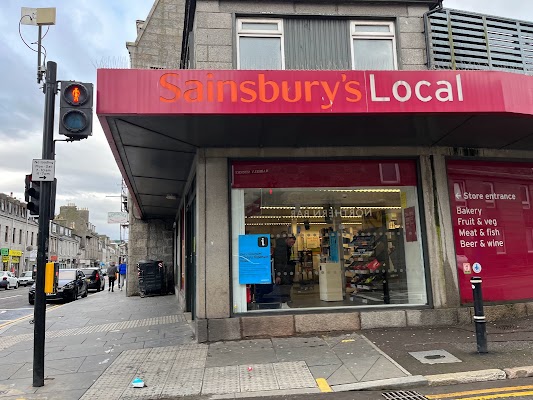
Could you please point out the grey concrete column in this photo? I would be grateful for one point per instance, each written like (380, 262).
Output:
(201, 193)
(213, 242)
(439, 229)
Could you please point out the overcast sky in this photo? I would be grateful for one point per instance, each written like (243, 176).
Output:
(91, 34)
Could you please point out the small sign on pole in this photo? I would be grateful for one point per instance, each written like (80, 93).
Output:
(117, 218)
(43, 170)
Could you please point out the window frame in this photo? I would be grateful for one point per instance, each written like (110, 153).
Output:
(391, 35)
(257, 33)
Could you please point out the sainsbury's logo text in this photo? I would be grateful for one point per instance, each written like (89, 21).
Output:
(265, 90)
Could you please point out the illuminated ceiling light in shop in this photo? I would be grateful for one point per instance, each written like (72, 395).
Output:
(373, 208)
(361, 190)
(298, 216)
(289, 208)
(267, 223)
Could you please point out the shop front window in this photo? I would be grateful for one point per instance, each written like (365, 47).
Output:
(326, 234)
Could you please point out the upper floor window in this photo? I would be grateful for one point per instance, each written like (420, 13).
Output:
(373, 45)
(260, 44)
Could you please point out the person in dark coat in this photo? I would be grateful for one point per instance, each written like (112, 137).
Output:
(284, 268)
(112, 272)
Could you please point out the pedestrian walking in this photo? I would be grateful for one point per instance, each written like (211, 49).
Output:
(122, 275)
(112, 273)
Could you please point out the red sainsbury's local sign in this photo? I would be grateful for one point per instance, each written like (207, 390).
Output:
(310, 92)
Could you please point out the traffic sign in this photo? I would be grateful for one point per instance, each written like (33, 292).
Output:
(43, 170)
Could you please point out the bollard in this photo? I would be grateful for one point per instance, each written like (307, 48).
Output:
(479, 316)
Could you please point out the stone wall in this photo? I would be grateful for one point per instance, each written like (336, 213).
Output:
(264, 326)
(158, 43)
(214, 30)
(148, 240)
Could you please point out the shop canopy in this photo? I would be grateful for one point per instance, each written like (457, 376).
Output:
(155, 120)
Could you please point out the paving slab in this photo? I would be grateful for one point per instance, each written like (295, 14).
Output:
(324, 371)
(312, 356)
(341, 376)
(97, 363)
(7, 370)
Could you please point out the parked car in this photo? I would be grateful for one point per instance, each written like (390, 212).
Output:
(8, 280)
(26, 278)
(71, 284)
(95, 278)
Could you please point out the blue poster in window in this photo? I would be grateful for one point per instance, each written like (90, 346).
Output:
(254, 259)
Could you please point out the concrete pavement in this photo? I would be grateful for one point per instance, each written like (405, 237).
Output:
(96, 346)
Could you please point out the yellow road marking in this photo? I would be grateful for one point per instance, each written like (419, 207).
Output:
(27, 316)
(347, 340)
(479, 391)
(499, 396)
(323, 385)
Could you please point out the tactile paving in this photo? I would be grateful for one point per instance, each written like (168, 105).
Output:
(293, 375)
(257, 377)
(182, 382)
(220, 380)
(110, 386)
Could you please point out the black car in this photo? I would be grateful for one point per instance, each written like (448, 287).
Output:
(71, 284)
(95, 278)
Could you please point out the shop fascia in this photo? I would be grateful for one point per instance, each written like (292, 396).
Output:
(264, 90)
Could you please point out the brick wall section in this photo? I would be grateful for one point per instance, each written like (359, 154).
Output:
(214, 30)
(158, 43)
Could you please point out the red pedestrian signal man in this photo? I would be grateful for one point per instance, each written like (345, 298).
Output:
(76, 94)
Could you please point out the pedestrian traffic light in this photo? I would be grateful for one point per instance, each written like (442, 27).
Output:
(31, 195)
(76, 109)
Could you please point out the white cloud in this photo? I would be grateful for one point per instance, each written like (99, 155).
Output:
(86, 32)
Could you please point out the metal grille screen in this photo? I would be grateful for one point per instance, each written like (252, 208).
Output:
(461, 40)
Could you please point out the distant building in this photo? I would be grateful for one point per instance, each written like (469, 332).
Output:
(18, 233)
(77, 219)
(64, 246)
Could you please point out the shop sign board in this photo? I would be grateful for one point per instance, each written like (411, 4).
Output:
(15, 260)
(181, 92)
(346, 173)
(16, 253)
(254, 259)
(5, 259)
(117, 217)
(4, 252)
(492, 218)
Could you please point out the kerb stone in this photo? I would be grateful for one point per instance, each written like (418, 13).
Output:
(466, 377)
(519, 372)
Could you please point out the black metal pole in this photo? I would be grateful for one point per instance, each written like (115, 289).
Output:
(479, 315)
(44, 222)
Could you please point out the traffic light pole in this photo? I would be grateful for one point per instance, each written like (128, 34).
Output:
(50, 88)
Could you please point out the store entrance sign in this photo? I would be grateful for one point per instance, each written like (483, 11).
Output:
(492, 218)
(254, 259)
